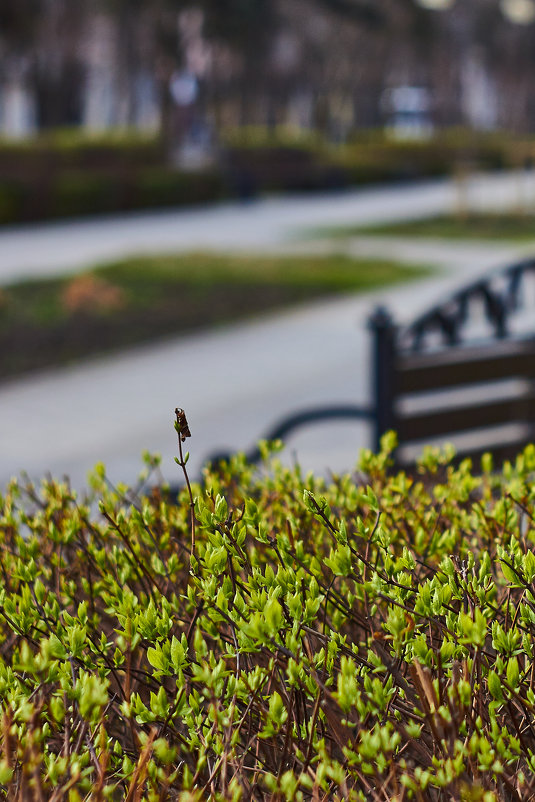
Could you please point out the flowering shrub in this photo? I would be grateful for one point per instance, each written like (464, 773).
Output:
(90, 293)
(366, 638)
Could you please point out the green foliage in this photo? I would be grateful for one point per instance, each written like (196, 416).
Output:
(325, 640)
(81, 191)
(67, 172)
(373, 156)
(516, 225)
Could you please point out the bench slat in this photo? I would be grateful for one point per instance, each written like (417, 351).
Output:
(500, 452)
(416, 373)
(449, 421)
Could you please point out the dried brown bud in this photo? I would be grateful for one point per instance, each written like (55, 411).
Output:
(182, 424)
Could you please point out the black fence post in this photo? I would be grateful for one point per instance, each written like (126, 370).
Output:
(383, 331)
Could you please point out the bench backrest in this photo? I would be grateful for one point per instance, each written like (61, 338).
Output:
(483, 397)
(435, 383)
(478, 394)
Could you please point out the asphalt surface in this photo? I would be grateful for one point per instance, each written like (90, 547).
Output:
(271, 223)
(233, 382)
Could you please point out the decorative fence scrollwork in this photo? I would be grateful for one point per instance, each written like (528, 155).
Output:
(500, 293)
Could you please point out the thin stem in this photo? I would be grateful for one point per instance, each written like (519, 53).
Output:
(183, 431)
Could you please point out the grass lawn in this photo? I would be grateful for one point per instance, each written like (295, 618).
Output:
(55, 321)
(476, 225)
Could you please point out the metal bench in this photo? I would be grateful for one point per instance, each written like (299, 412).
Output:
(439, 380)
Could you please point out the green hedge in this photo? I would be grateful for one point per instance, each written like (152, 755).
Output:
(379, 158)
(163, 187)
(72, 193)
(374, 155)
(72, 150)
(66, 173)
(272, 636)
(69, 174)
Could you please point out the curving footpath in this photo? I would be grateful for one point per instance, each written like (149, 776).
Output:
(233, 382)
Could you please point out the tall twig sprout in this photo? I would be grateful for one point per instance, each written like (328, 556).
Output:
(182, 430)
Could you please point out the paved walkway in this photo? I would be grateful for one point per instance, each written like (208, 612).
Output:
(272, 223)
(232, 382)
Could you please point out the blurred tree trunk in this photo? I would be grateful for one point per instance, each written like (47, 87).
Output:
(45, 38)
(127, 59)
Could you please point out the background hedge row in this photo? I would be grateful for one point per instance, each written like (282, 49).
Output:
(70, 174)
